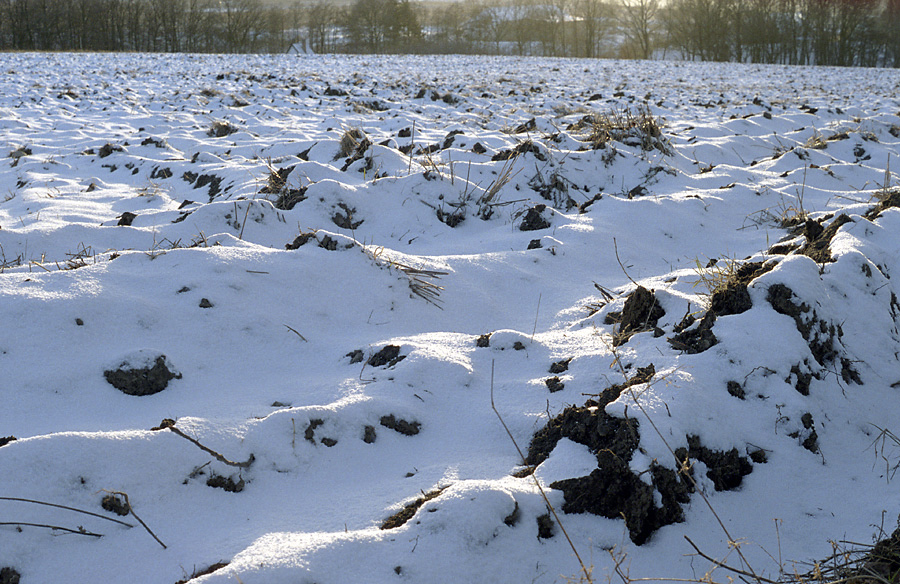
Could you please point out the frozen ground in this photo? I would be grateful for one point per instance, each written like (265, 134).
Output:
(339, 258)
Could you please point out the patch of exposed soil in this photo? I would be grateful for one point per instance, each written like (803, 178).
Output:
(9, 576)
(726, 469)
(409, 510)
(345, 220)
(534, 219)
(698, 339)
(822, 337)
(389, 355)
(818, 239)
(402, 426)
(892, 199)
(554, 384)
(144, 381)
(545, 526)
(560, 366)
(483, 340)
(225, 483)
(640, 313)
(7, 440)
(204, 572)
(732, 296)
(115, 504)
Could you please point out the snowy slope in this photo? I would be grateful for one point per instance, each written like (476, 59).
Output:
(333, 264)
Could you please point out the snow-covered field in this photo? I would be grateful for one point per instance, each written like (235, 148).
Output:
(325, 267)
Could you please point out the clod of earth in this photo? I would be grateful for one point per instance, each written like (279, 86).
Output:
(817, 248)
(389, 355)
(513, 518)
(554, 384)
(345, 220)
(205, 303)
(204, 572)
(409, 510)
(889, 200)
(142, 381)
(356, 356)
(300, 241)
(115, 504)
(369, 434)
(614, 490)
(225, 483)
(402, 426)
(221, 129)
(560, 366)
(545, 526)
(9, 576)
(483, 340)
(126, 218)
(310, 432)
(731, 296)
(696, 340)
(640, 313)
(7, 440)
(534, 219)
(108, 149)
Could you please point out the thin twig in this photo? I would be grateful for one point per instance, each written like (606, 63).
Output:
(79, 531)
(66, 508)
(587, 573)
(536, 312)
(293, 330)
(139, 520)
(169, 424)
(624, 271)
(720, 564)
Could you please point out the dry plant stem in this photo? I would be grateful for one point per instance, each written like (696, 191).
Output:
(720, 564)
(54, 528)
(66, 508)
(537, 483)
(139, 520)
(210, 451)
(621, 265)
(293, 330)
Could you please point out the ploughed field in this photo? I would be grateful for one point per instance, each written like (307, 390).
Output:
(288, 319)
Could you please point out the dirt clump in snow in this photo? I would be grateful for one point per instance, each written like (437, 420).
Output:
(404, 427)
(6, 440)
(409, 510)
(818, 239)
(9, 576)
(560, 366)
(554, 384)
(389, 355)
(731, 296)
(141, 381)
(534, 219)
(889, 200)
(640, 314)
(725, 468)
(545, 526)
(204, 572)
(225, 483)
(483, 340)
(115, 504)
(345, 220)
(698, 339)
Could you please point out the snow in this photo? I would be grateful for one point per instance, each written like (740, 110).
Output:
(263, 337)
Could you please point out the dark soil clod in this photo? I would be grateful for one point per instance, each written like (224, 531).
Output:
(640, 313)
(545, 526)
(483, 340)
(554, 384)
(891, 200)
(369, 434)
(560, 366)
(736, 389)
(726, 469)
(300, 241)
(513, 518)
(6, 440)
(356, 356)
(732, 296)
(204, 572)
(409, 510)
(144, 381)
(534, 219)
(389, 355)
(699, 339)
(9, 576)
(115, 504)
(402, 426)
(225, 483)
(817, 248)
(126, 218)
(310, 433)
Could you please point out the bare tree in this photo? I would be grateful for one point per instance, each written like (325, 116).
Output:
(640, 25)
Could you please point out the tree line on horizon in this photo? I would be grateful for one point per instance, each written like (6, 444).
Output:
(799, 32)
